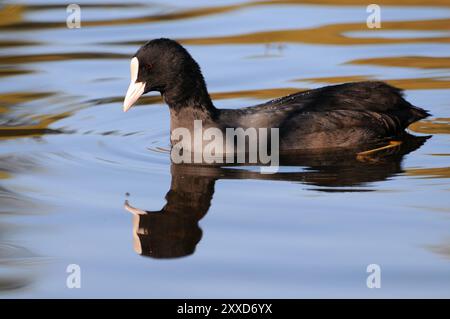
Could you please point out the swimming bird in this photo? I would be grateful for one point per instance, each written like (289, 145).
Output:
(337, 116)
(174, 231)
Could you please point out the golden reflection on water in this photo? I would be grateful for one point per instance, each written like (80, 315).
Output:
(421, 62)
(11, 14)
(5, 72)
(13, 98)
(33, 58)
(32, 130)
(431, 83)
(438, 172)
(13, 18)
(37, 126)
(8, 71)
(436, 126)
(11, 43)
(362, 2)
(4, 174)
(333, 34)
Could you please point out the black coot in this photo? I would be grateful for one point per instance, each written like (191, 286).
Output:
(338, 116)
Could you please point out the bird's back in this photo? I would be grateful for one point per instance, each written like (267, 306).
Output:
(333, 116)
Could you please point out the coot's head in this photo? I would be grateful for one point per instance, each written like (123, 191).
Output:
(163, 65)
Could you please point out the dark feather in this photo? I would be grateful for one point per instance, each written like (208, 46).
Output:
(342, 115)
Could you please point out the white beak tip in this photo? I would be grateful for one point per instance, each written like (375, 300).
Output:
(134, 92)
(136, 89)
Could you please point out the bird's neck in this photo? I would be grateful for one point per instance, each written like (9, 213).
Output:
(188, 100)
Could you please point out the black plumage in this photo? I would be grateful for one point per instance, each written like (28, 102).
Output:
(337, 116)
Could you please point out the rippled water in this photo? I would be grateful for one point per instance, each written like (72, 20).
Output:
(74, 167)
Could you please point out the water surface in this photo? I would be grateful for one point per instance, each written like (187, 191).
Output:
(83, 183)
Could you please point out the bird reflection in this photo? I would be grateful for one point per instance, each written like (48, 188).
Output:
(174, 232)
